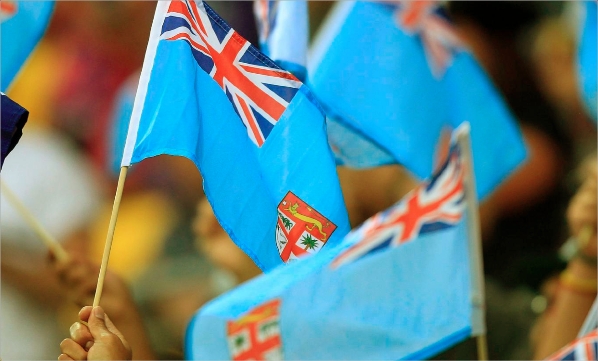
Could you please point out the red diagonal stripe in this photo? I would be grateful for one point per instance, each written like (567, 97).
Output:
(269, 72)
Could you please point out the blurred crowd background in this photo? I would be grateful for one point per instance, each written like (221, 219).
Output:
(168, 245)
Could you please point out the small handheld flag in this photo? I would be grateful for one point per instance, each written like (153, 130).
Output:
(252, 128)
(398, 287)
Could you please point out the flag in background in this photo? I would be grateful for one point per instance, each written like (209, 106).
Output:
(22, 24)
(397, 73)
(588, 58)
(398, 287)
(251, 128)
(283, 29)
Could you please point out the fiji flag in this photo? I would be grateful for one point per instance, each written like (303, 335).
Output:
(398, 287)
(588, 63)
(252, 129)
(22, 25)
(397, 74)
(283, 30)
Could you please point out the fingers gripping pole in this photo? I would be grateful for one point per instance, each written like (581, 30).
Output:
(110, 235)
(37, 227)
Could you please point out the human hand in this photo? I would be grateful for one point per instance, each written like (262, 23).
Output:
(79, 277)
(98, 340)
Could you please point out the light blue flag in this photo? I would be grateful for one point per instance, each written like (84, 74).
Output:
(399, 75)
(398, 287)
(588, 58)
(22, 25)
(252, 128)
(283, 29)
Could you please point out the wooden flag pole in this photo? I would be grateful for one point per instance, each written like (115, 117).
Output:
(482, 345)
(475, 245)
(44, 235)
(110, 235)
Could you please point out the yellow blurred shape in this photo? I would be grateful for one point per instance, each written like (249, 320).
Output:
(144, 221)
(35, 84)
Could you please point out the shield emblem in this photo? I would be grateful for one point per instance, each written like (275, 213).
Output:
(256, 335)
(300, 229)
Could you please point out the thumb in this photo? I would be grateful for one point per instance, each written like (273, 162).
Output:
(97, 323)
(102, 328)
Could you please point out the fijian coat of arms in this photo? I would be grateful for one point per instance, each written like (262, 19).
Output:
(300, 229)
(256, 335)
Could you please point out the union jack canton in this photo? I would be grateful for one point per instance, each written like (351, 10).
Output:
(258, 89)
(435, 204)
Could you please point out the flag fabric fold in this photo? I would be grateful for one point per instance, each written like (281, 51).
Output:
(22, 25)
(253, 129)
(397, 73)
(398, 287)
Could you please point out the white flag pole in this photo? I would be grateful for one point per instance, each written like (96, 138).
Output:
(475, 244)
(59, 252)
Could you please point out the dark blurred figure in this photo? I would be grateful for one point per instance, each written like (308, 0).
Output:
(524, 220)
(529, 224)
